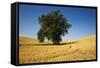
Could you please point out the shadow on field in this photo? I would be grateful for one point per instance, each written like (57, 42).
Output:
(50, 44)
(72, 42)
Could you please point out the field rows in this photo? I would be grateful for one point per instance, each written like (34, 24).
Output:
(81, 50)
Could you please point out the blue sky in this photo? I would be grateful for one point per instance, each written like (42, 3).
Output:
(83, 20)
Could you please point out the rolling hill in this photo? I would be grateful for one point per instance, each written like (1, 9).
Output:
(27, 40)
(83, 49)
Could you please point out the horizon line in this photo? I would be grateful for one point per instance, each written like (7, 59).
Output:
(62, 39)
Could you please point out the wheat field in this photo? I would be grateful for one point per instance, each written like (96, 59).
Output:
(31, 51)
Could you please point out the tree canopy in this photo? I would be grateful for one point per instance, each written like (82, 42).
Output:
(53, 26)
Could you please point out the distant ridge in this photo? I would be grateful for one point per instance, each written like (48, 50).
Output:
(91, 37)
(27, 40)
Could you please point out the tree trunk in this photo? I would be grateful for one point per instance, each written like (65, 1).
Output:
(56, 42)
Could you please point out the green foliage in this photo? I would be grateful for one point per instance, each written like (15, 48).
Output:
(53, 26)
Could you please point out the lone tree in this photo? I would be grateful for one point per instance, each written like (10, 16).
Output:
(53, 26)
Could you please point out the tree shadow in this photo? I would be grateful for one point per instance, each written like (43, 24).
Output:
(50, 44)
(72, 42)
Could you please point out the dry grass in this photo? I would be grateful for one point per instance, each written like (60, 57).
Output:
(31, 51)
